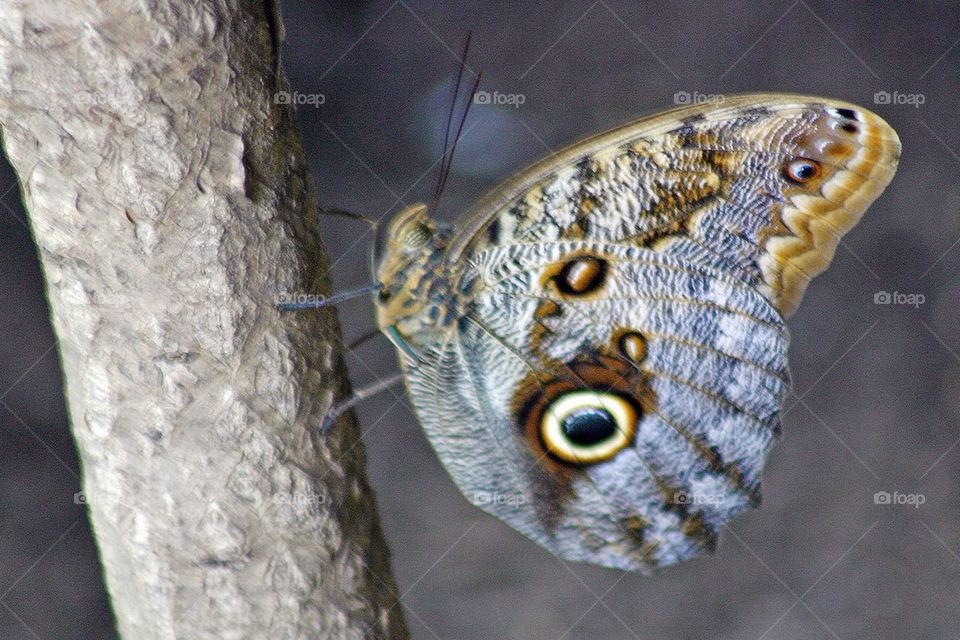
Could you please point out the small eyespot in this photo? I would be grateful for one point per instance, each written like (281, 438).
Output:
(581, 276)
(586, 427)
(632, 346)
(849, 127)
(802, 170)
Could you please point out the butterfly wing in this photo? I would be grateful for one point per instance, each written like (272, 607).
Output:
(615, 369)
(762, 186)
(690, 362)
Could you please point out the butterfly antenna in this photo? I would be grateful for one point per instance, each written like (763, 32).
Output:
(447, 154)
(453, 103)
(456, 139)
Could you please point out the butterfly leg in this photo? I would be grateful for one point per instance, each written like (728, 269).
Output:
(337, 409)
(350, 214)
(369, 335)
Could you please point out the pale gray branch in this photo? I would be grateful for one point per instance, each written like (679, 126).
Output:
(171, 203)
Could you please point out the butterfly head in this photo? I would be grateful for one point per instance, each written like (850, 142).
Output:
(412, 288)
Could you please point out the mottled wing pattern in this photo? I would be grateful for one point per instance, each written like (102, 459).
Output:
(611, 376)
(699, 354)
(760, 186)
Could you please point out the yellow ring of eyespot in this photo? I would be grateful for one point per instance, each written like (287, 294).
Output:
(557, 443)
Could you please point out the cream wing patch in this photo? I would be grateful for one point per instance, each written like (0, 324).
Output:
(816, 222)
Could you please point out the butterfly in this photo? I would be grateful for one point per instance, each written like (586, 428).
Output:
(597, 351)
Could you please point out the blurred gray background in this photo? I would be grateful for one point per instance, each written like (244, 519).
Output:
(879, 383)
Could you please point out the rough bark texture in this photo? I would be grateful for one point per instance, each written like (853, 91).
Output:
(171, 203)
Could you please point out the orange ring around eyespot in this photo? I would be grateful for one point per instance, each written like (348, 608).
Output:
(797, 165)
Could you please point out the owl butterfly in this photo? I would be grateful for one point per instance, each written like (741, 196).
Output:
(598, 352)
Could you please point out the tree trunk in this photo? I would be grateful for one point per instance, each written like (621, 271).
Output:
(169, 195)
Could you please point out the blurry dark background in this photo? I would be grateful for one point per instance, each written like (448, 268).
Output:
(879, 383)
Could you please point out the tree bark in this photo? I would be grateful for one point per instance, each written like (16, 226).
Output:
(170, 199)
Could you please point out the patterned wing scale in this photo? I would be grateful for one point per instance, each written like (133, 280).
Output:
(698, 356)
(761, 186)
(600, 350)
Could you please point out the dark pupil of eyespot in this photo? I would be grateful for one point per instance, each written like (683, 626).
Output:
(585, 427)
(805, 170)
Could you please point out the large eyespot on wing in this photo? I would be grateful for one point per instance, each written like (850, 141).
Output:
(761, 186)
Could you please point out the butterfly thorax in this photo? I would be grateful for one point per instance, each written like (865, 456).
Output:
(414, 303)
